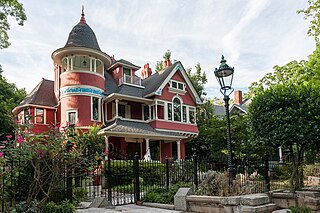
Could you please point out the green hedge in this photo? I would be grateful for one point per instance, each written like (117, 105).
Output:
(122, 172)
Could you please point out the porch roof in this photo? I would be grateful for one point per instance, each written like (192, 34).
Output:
(137, 129)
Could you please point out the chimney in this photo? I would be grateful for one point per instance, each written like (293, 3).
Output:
(146, 72)
(238, 97)
(166, 63)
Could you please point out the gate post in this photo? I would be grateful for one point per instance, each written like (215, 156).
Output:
(167, 173)
(195, 171)
(267, 172)
(136, 178)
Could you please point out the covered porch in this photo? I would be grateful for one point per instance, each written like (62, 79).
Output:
(132, 137)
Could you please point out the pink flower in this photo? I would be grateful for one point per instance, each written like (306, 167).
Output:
(2, 147)
(20, 139)
(1, 154)
(106, 152)
(9, 136)
(40, 153)
(37, 131)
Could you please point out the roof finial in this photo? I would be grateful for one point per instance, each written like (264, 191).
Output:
(82, 20)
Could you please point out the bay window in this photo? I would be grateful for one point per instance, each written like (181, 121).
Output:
(39, 116)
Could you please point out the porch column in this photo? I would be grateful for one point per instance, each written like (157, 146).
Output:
(117, 108)
(156, 109)
(149, 112)
(280, 154)
(106, 141)
(147, 144)
(178, 150)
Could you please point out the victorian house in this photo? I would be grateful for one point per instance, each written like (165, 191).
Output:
(153, 113)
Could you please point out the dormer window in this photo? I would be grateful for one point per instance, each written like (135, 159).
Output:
(177, 87)
(126, 74)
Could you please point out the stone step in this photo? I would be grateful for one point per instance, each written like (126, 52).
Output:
(266, 208)
(254, 199)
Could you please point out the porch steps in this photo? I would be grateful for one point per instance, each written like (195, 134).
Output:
(257, 203)
(265, 208)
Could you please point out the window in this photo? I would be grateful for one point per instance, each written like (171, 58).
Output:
(146, 112)
(26, 115)
(177, 85)
(177, 109)
(122, 110)
(192, 115)
(95, 109)
(169, 111)
(72, 116)
(126, 73)
(81, 62)
(184, 114)
(39, 116)
(152, 112)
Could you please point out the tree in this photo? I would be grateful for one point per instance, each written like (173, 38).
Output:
(293, 72)
(313, 14)
(198, 79)
(287, 115)
(9, 8)
(10, 97)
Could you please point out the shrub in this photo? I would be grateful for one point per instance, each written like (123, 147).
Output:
(281, 172)
(214, 183)
(64, 207)
(162, 195)
(301, 209)
(22, 207)
(79, 194)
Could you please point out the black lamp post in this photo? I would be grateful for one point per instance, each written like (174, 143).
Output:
(224, 76)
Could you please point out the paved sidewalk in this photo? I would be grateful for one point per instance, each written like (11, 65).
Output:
(131, 208)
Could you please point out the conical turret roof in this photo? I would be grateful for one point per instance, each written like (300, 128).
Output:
(82, 36)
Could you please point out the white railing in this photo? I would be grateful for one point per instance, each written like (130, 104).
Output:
(128, 79)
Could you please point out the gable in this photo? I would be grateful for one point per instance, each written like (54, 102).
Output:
(170, 74)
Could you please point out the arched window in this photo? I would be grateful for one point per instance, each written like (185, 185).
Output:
(177, 109)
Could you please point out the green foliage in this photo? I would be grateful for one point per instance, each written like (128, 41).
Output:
(159, 66)
(9, 8)
(302, 209)
(64, 207)
(10, 97)
(167, 55)
(288, 116)
(31, 207)
(281, 172)
(79, 194)
(198, 79)
(122, 172)
(161, 195)
(313, 14)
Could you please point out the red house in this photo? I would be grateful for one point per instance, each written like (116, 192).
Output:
(155, 112)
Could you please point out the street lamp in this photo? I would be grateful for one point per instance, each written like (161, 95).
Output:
(224, 76)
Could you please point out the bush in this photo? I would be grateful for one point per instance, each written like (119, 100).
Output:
(22, 207)
(161, 195)
(281, 172)
(302, 209)
(64, 207)
(79, 194)
(214, 183)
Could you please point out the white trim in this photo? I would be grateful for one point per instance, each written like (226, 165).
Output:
(99, 109)
(126, 97)
(176, 131)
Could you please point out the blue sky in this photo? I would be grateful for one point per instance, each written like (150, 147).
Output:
(253, 35)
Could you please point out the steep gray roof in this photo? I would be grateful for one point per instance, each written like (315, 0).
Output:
(42, 94)
(219, 110)
(111, 86)
(122, 61)
(154, 81)
(82, 36)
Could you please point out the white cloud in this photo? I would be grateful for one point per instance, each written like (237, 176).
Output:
(253, 35)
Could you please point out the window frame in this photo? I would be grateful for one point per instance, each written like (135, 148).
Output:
(36, 116)
(76, 116)
(99, 109)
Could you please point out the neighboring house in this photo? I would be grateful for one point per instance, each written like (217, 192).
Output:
(240, 106)
(155, 113)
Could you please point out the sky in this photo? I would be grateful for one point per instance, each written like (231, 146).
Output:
(253, 35)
